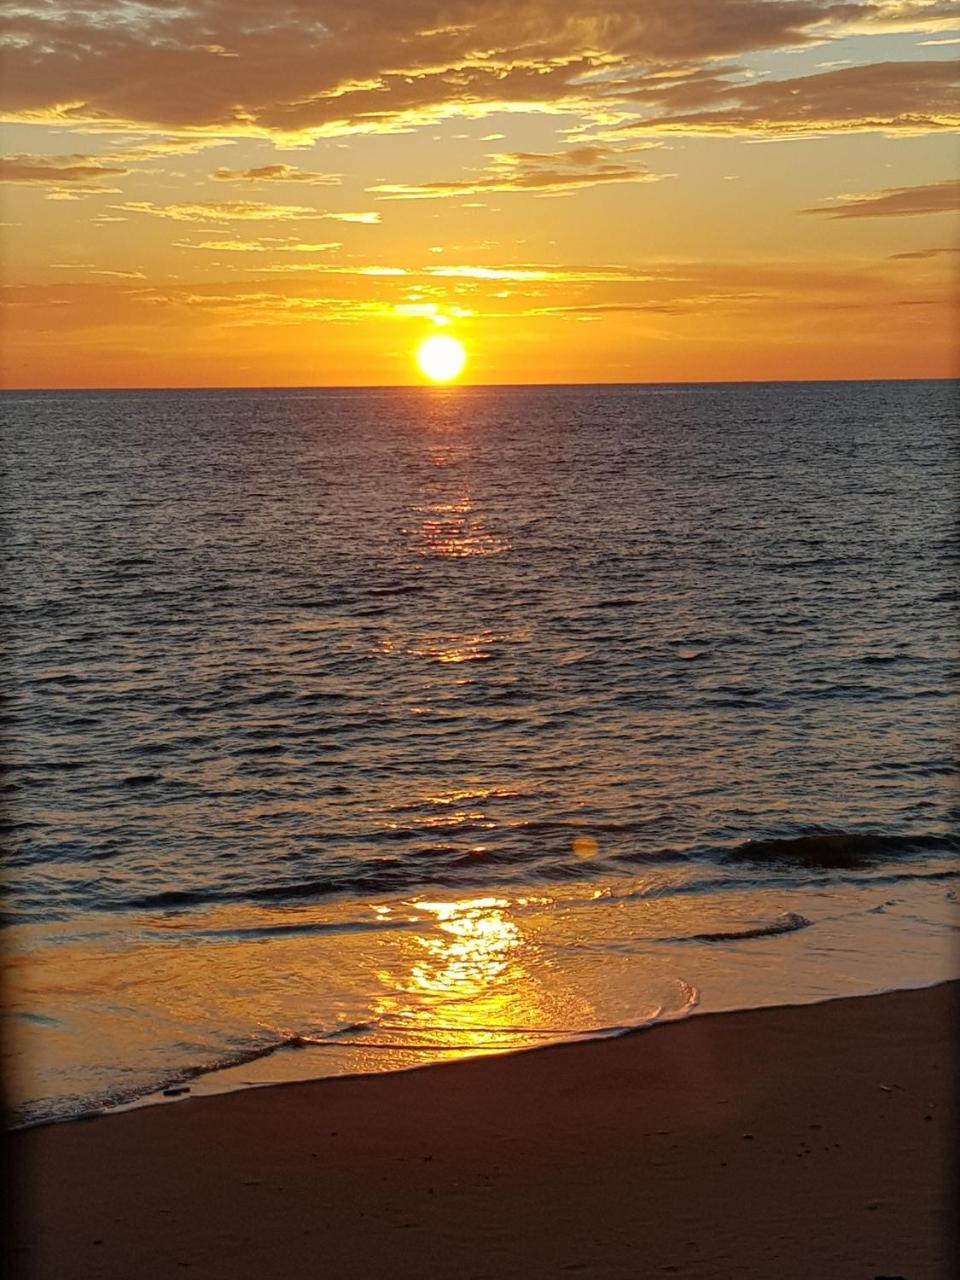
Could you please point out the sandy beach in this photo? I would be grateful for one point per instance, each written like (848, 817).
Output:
(813, 1141)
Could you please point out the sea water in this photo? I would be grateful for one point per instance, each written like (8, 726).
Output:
(348, 730)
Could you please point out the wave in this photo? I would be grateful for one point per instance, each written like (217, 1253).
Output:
(828, 879)
(502, 1039)
(789, 922)
(255, 932)
(448, 865)
(826, 848)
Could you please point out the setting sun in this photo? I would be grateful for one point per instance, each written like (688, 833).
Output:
(441, 358)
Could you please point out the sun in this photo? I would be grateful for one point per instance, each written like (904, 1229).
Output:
(441, 358)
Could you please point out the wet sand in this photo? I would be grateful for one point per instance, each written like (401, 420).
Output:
(807, 1143)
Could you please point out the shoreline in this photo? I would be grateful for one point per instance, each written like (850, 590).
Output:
(196, 1084)
(664, 1150)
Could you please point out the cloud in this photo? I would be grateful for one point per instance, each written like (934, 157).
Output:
(241, 211)
(906, 15)
(517, 273)
(897, 202)
(668, 294)
(366, 219)
(893, 97)
(223, 211)
(326, 268)
(598, 309)
(54, 171)
(674, 283)
(297, 66)
(97, 271)
(275, 173)
(265, 244)
(538, 173)
(155, 145)
(537, 273)
(919, 255)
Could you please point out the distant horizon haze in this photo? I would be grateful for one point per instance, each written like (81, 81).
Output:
(462, 385)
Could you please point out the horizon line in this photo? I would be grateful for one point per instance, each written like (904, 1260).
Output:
(434, 388)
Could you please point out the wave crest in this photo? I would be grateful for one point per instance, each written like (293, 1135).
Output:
(789, 922)
(826, 848)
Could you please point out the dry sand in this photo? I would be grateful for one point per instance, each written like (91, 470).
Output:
(813, 1143)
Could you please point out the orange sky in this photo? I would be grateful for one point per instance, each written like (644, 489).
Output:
(222, 192)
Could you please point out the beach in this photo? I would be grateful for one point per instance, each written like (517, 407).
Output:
(805, 1141)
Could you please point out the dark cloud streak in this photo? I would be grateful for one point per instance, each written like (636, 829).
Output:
(79, 170)
(897, 202)
(536, 173)
(890, 96)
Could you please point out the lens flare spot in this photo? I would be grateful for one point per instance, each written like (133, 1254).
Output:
(584, 847)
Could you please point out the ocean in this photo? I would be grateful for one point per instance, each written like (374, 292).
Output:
(352, 730)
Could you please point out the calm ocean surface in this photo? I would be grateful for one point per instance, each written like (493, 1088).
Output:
(347, 730)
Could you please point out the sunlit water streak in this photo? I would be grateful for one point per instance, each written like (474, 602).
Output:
(355, 730)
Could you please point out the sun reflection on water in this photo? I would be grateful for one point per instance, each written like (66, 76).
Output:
(455, 649)
(448, 524)
(469, 986)
(452, 529)
(478, 948)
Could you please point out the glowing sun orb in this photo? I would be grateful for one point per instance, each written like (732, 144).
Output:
(441, 358)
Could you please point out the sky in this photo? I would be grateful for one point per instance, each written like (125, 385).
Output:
(233, 193)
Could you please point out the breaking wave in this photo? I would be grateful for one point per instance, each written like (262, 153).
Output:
(450, 866)
(789, 922)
